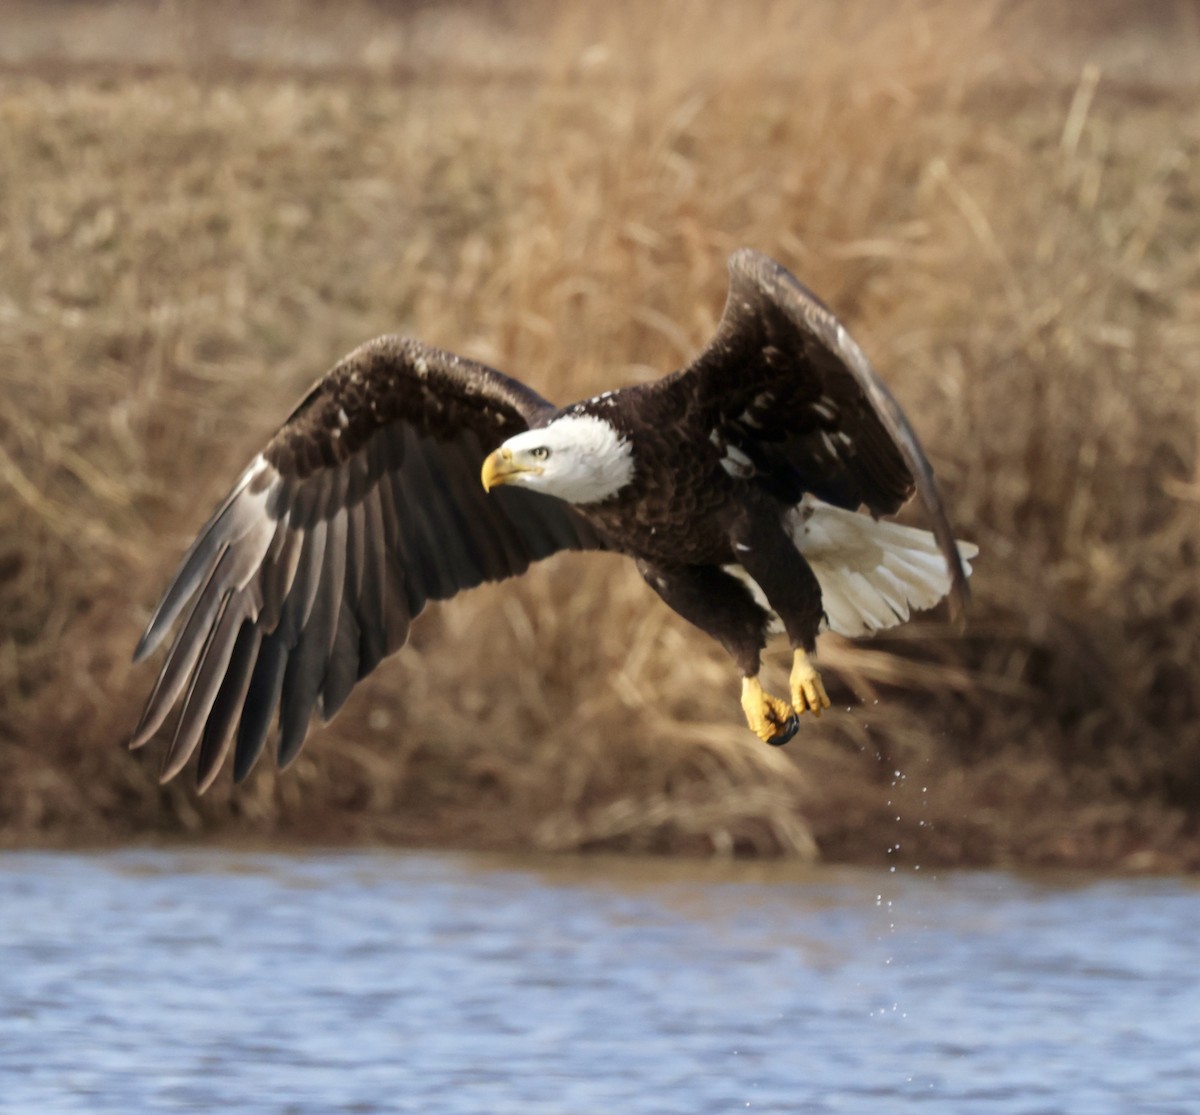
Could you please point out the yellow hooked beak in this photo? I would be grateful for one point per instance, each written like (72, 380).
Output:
(499, 467)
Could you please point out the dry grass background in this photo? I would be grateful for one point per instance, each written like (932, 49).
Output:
(187, 243)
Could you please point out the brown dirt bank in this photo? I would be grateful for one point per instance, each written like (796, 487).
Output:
(186, 247)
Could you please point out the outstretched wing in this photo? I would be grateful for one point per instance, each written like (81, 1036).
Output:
(792, 402)
(364, 505)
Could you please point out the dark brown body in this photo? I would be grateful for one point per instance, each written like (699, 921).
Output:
(671, 511)
(686, 515)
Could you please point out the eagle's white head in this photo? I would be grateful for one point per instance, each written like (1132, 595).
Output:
(578, 458)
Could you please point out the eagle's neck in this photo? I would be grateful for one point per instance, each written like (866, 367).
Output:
(592, 462)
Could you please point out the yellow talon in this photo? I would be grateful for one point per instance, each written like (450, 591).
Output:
(769, 718)
(808, 690)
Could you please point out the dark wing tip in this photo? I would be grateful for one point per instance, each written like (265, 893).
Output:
(767, 277)
(960, 593)
(744, 259)
(143, 647)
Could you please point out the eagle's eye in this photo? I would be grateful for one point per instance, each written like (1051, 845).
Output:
(540, 453)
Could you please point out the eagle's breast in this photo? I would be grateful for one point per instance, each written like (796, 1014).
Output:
(673, 509)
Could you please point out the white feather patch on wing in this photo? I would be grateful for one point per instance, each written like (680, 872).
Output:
(873, 574)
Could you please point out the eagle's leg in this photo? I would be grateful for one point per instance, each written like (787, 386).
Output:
(723, 607)
(768, 554)
(808, 690)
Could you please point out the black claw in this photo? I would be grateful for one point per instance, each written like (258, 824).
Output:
(790, 728)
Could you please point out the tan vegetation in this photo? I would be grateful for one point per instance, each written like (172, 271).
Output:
(186, 245)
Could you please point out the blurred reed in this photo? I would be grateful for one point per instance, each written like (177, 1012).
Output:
(187, 247)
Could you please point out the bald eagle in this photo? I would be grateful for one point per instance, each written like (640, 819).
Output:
(737, 484)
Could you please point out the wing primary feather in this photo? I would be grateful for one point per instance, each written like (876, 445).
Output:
(404, 561)
(333, 580)
(423, 570)
(301, 682)
(201, 557)
(280, 496)
(229, 702)
(275, 548)
(343, 669)
(307, 504)
(477, 518)
(181, 658)
(430, 502)
(279, 575)
(388, 515)
(299, 603)
(372, 642)
(196, 567)
(499, 548)
(526, 511)
(307, 663)
(262, 699)
(397, 618)
(203, 686)
(355, 514)
(505, 536)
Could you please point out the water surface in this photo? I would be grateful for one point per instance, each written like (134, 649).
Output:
(379, 982)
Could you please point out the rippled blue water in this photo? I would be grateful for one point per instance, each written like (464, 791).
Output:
(373, 982)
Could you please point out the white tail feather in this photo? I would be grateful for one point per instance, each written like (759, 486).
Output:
(873, 574)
